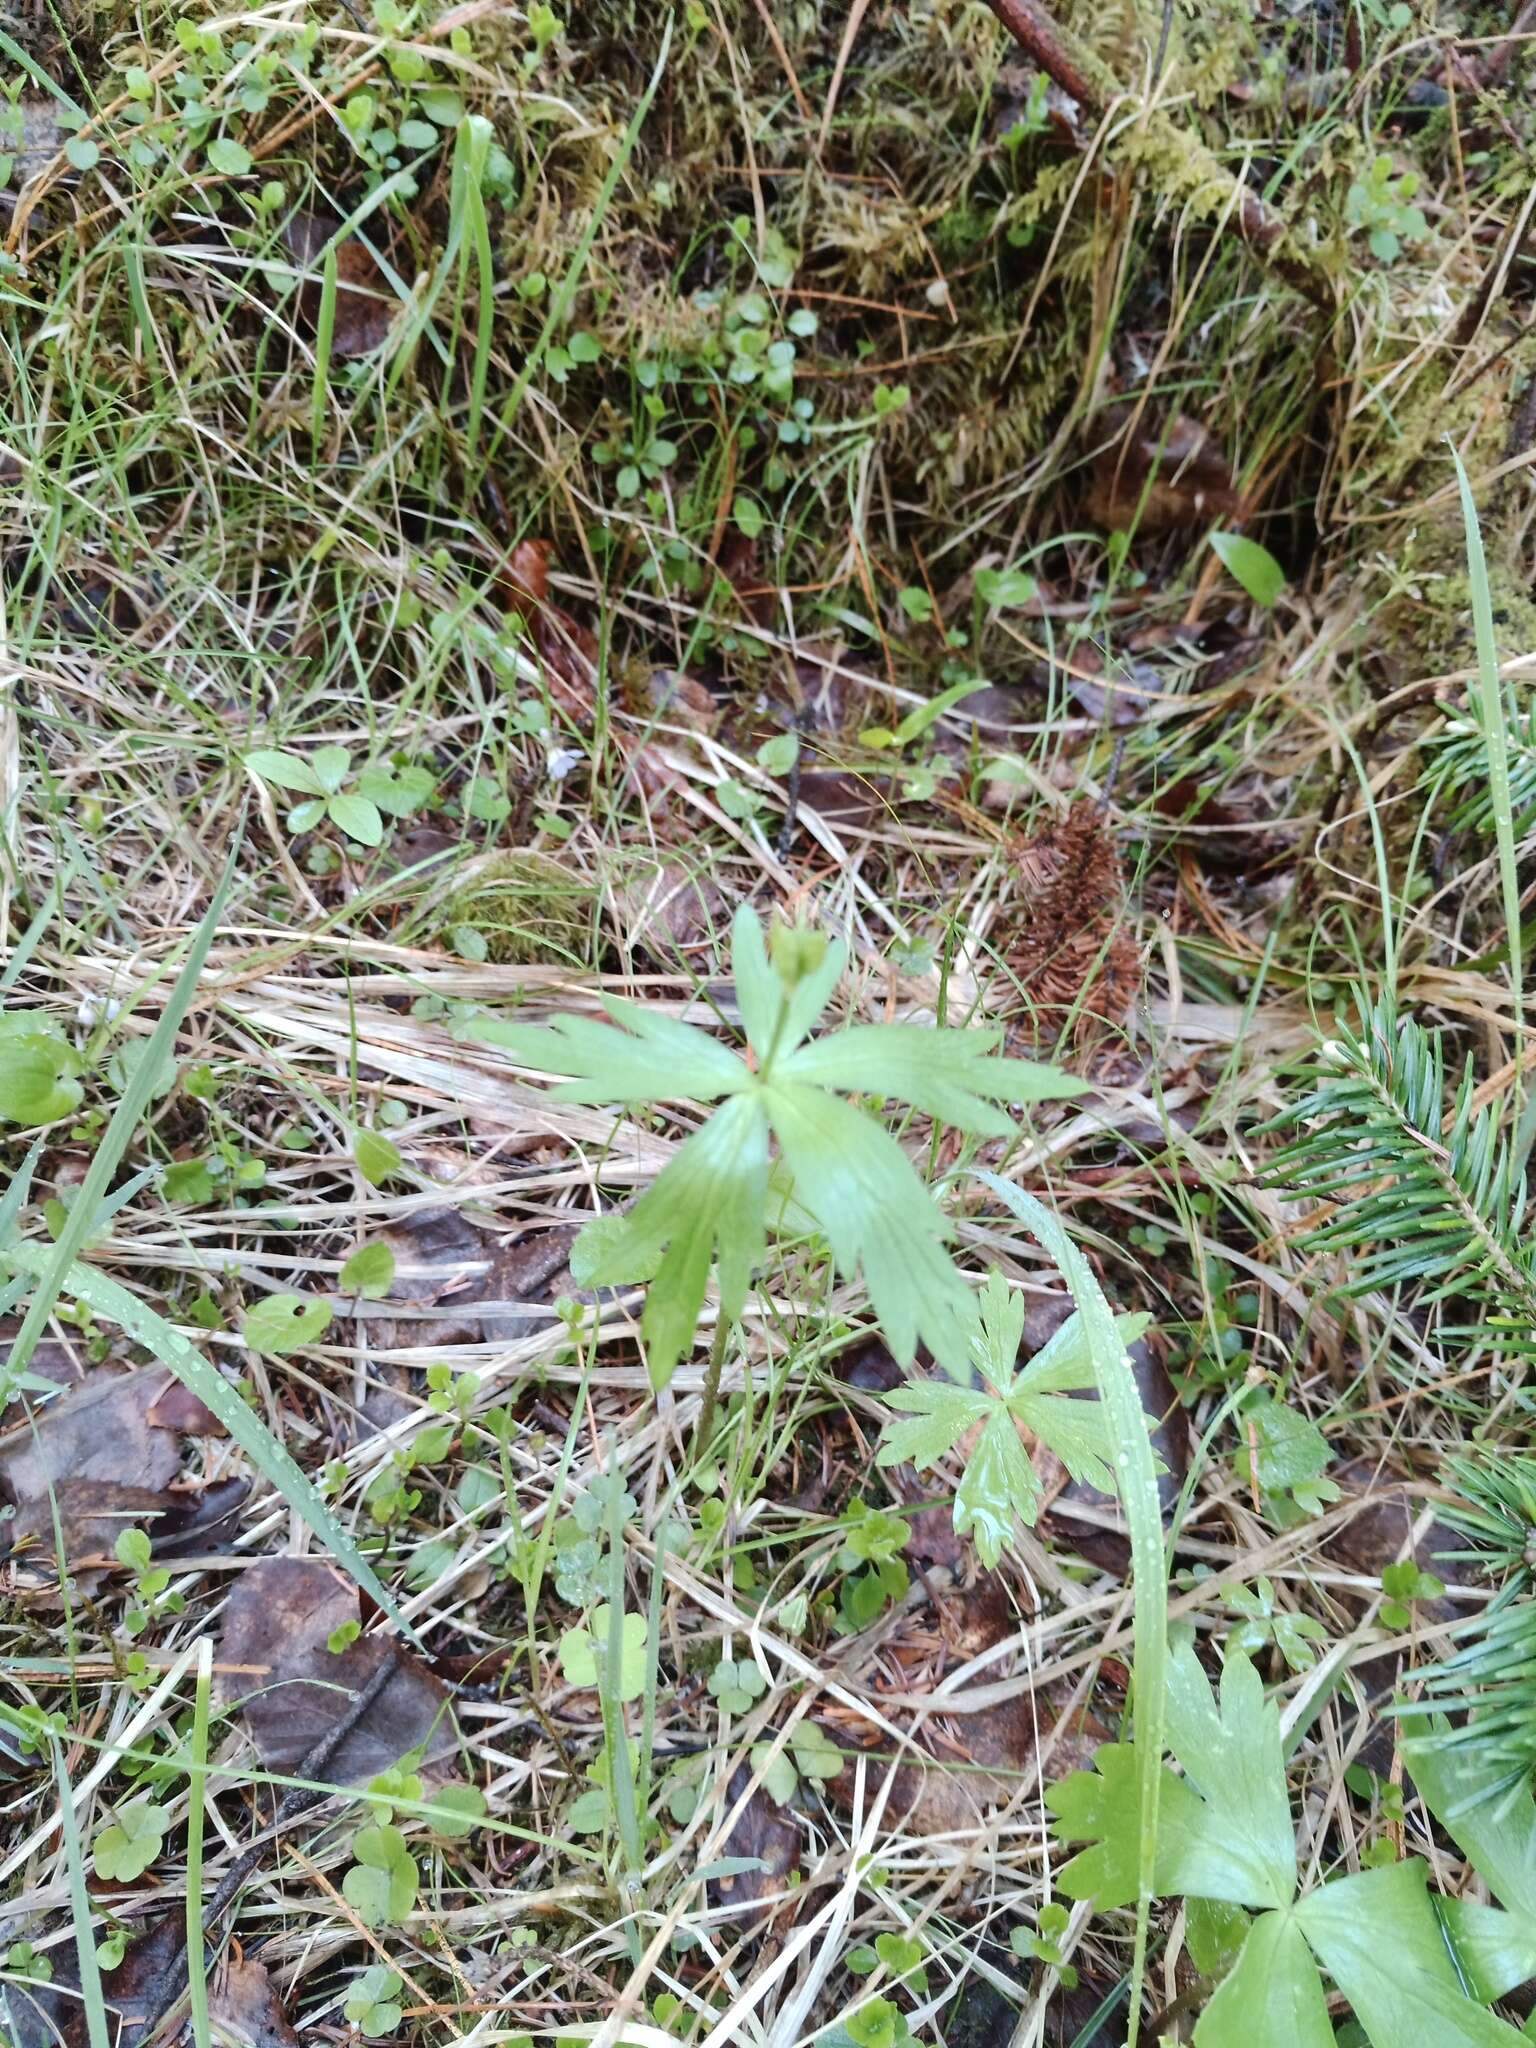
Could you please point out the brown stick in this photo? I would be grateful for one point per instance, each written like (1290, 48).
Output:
(1078, 72)
(1489, 69)
(1033, 29)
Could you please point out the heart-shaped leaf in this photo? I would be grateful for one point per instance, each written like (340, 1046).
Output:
(284, 1322)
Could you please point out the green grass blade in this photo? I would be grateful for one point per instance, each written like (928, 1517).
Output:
(1491, 715)
(197, 1954)
(1136, 1473)
(80, 1908)
(15, 1197)
(131, 1106)
(325, 330)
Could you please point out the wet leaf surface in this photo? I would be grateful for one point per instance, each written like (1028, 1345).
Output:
(1160, 475)
(93, 1513)
(243, 2004)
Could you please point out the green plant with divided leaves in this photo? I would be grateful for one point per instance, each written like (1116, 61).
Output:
(715, 1199)
(321, 781)
(1413, 1970)
(999, 1486)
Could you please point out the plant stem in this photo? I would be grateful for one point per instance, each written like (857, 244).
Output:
(706, 1423)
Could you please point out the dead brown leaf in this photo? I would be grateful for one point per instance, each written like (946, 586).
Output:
(243, 2006)
(32, 134)
(962, 1765)
(1186, 479)
(78, 1470)
(666, 909)
(1381, 1533)
(93, 1513)
(99, 1429)
(566, 649)
(177, 1407)
(488, 1292)
(763, 1830)
(52, 2015)
(365, 305)
(1106, 1547)
(293, 1690)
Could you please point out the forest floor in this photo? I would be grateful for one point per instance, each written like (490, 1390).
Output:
(483, 496)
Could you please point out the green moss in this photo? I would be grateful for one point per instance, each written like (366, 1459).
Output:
(526, 907)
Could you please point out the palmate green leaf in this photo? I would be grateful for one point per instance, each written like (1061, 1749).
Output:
(1224, 1832)
(639, 1058)
(839, 1170)
(1064, 1362)
(1103, 1807)
(1231, 1753)
(1462, 1789)
(999, 1484)
(941, 1414)
(878, 1218)
(1467, 1791)
(1136, 1472)
(1273, 1997)
(1495, 1950)
(707, 1203)
(952, 1075)
(1377, 1936)
(1237, 1842)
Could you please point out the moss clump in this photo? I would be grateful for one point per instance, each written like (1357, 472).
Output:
(524, 906)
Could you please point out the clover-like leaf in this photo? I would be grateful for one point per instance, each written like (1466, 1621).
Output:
(126, 1849)
(284, 1322)
(737, 1685)
(381, 1885)
(330, 765)
(372, 2001)
(780, 1778)
(816, 1754)
(584, 1654)
(457, 1810)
